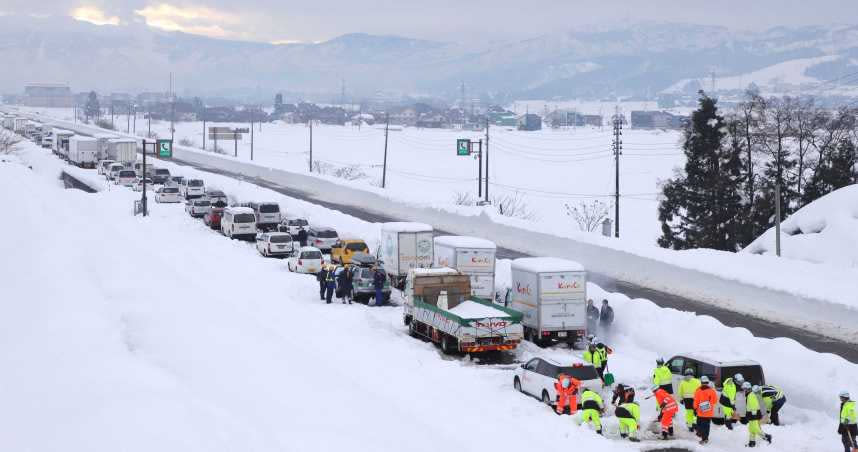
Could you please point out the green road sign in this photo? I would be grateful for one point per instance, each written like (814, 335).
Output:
(165, 148)
(463, 147)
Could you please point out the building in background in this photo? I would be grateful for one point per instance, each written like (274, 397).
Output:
(48, 95)
(529, 122)
(657, 120)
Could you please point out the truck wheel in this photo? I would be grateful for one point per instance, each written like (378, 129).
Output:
(448, 345)
(412, 329)
(407, 320)
(545, 399)
(516, 383)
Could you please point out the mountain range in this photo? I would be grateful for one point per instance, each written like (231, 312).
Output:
(639, 60)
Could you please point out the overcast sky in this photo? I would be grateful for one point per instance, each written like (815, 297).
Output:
(446, 20)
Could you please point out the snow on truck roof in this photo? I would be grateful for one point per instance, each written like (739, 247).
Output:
(122, 140)
(401, 226)
(720, 358)
(460, 241)
(80, 138)
(546, 265)
(442, 271)
(469, 309)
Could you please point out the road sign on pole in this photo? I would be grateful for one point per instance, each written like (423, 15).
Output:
(463, 146)
(165, 149)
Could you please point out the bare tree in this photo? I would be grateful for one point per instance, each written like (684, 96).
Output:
(513, 206)
(464, 198)
(8, 142)
(807, 122)
(588, 215)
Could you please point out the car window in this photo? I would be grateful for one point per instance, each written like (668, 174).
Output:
(326, 234)
(532, 365)
(753, 374)
(298, 223)
(269, 208)
(281, 239)
(580, 372)
(676, 365)
(547, 369)
(311, 255)
(203, 203)
(195, 183)
(708, 370)
(170, 190)
(244, 218)
(366, 273)
(127, 173)
(357, 247)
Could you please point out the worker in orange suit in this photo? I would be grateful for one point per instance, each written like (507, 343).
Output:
(667, 410)
(567, 394)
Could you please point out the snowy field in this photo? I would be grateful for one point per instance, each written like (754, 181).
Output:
(547, 169)
(125, 333)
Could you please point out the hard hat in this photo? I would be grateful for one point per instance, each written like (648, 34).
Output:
(689, 371)
(755, 389)
(659, 361)
(746, 386)
(844, 394)
(739, 378)
(704, 380)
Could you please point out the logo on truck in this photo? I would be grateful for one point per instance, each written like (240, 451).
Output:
(524, 290)
(563, 285)
(492, 323)
(480, 260)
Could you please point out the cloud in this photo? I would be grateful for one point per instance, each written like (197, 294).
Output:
(93, 15)
(199, 20)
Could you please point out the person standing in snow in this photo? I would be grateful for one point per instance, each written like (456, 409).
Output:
(667, 409)
(774, 399)
(344, 285)
(629, 416)
(330, 285)
(754, 415)
(662, 377)
(606, 315)
(592, 316)
(567, 394)
(321, 277)
(728, 399)
(622, 394)
(593, 407)
(594, 357)
(848, 428)
(378, 284)
(302, 236)
(687, 387)
(705, 399)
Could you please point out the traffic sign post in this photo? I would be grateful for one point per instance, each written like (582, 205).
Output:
(165, 148)
(463, 147)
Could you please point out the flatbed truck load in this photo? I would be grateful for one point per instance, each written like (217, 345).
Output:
(438, 306)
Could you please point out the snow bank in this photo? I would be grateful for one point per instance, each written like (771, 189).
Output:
(822, 232)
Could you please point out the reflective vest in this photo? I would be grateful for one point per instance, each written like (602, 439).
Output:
(594, 358)
(752, 407)
(704, 401)
(603, 355)
(629, 410)
(847, 413)
(661, 376)
(591, 401)
(771, 393)
(688, 387)
(728, 393)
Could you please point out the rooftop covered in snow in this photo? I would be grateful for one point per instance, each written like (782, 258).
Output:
(546, 265)
(461, 241)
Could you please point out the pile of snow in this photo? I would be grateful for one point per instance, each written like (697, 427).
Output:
(470, 309)
(127, 333)
(823, 232)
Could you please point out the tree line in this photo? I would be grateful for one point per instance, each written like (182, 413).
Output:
(725, 196)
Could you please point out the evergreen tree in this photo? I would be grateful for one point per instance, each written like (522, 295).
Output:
(278, 103)
(835, 171)
(92, 109)
(701, 206)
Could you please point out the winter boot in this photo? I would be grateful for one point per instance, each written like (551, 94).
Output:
(752, 444)
(623, 435)
(729, 425)
(664, 435)
(599, 432)
(634, 439)
(768, 438)
(670, 432)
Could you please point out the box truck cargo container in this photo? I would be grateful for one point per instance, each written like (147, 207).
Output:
(122, 150)
(61, 142)
(472, 256)
(9, 122)
(83, 151)
(404, 246)
(103, 143)
(20, 124)
(551, 294)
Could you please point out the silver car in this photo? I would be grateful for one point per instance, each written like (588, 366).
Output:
(198, 207)
(322, 238)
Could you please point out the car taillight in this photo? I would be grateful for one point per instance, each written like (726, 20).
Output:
(546, 333)
(300, 262)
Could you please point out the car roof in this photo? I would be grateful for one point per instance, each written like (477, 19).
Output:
(322, 228)
(719, 359)
(241, 210)
(310, 248)
(273, 233)
(352, 241)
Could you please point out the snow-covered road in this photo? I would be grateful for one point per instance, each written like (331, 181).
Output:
(123, 333)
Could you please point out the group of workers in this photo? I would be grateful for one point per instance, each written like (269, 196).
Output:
(697, 396)
(339, 280)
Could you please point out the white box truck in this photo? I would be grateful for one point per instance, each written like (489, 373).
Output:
(19, 125)
(103, 143)
(9, 122)
(83, 151)
(404, 246)
(122, 150)
(61, 142)
(472, 256)
(551, 294)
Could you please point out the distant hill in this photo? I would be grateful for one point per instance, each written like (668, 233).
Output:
(639, 60)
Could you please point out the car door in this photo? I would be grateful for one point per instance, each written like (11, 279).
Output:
(547, 376)
(529, 376)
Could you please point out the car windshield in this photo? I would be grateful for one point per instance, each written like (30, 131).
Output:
(169, 190)
(269, 208)
(203, 203)
(311, 255)
(298, 223)
(195, 183)
(178, 178)
(357, 247)
(216, 193)
(281, 239)
(753, 374)
(244, 218)
(366, 273)
(162, 172)
(127, 173)
(326, 234)
(580, 373)
(219, 203)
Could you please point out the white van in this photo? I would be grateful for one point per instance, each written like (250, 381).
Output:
(126, 177)
(238, 222)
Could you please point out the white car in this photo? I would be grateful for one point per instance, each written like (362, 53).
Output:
(322, 238)
(217, 197)
(167, 194)
(104, 166)
(113, 171)
(537, 377)
(125, 177)
(294, 224)
(192, 188)
(198, 207)
(238, 223)
(276, 244)
(307, 260)
(138, 186)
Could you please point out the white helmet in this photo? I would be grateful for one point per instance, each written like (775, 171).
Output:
(746, 386)
(739, 378)
(756, 388)
(844, 394)
(704, 380)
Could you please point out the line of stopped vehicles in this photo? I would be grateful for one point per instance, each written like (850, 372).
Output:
(445, 284)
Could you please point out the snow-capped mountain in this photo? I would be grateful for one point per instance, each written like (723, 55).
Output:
(638, 60)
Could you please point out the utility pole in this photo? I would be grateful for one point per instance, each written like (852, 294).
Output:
(487, 159)
(134, 110)
(384, 167)
(235, 141)
(145, 209)
(149, 116)
(112, 126)
(618, 150)
(204, 128)
(128, 125)
(172, 109)
(480, 170)
(311, 145)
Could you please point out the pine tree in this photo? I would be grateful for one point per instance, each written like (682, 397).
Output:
(278, 104)
(701, 206)
(835, 171)
(92, 109)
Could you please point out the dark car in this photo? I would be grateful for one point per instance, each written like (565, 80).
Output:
(161, 176)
